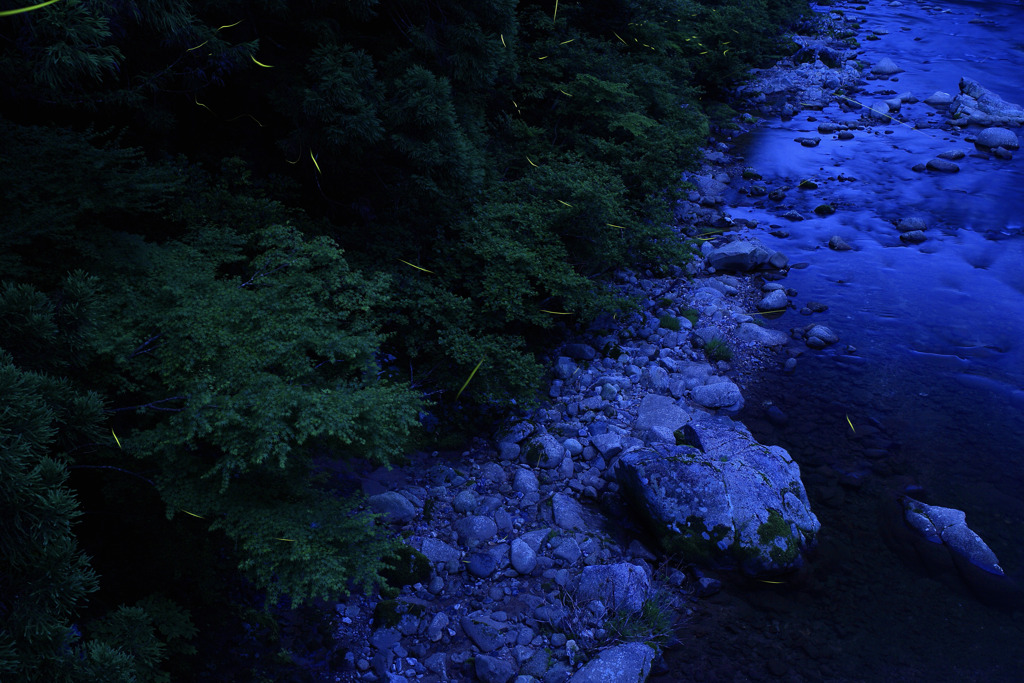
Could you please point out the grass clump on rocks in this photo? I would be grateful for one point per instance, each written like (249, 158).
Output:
(717, 349)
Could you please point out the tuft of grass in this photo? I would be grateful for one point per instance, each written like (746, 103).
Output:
(670, 323)
(654, 624)
(716, 349)
(690, 314)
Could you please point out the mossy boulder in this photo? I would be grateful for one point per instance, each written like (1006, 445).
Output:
(723, 498)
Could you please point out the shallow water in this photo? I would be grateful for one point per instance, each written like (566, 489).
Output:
(928, 397)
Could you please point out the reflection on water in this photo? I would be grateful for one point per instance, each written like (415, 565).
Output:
(925, 392)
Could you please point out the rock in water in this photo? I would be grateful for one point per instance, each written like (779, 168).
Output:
(838, 244)
(941, 541)
(773, 301)
(996, 137)
(949, 527)
(911, 223)
(723, 498)
(885, 67)
(942, 166)
(978, 105)
(939, 99)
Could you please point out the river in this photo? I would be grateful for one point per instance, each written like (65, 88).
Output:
(925, 391)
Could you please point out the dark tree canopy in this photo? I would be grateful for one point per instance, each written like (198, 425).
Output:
(244, 245)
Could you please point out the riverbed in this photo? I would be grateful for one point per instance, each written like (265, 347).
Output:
(925, 391)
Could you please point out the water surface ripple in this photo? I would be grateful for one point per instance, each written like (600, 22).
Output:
(933, 382)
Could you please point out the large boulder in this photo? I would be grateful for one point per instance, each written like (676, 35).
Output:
(980, 106)
(996, 137)
(725, 498)
(744, 255)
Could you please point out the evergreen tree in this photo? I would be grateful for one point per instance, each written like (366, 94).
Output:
(45, 579)
(246, 358)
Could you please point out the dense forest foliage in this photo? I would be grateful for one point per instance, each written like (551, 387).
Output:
(247, 245)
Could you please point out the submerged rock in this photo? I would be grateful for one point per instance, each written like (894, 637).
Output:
(939, 540)
(948, 526)
(838, 244)
(913, 237)
(942, 166)
(724, 498)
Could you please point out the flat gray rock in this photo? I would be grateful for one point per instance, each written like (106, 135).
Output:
(620, 586)
(522, 556)
(568, 512)
(438, 551)
(837, 243)
(627, 663)
(493, 670)
(762, 336)
(660, 411)
(608, 445)
(911, 223)
(580, 351)
(475, 529)
(773, 301)
(483, 631)
(939, 99)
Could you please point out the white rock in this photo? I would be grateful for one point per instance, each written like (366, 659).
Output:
(885, 67)
(939, 99)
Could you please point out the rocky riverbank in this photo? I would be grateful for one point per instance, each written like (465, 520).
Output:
(572, 544)
(540, 548)
(575, 542)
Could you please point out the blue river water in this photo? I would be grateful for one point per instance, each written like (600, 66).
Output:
(925, 391)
